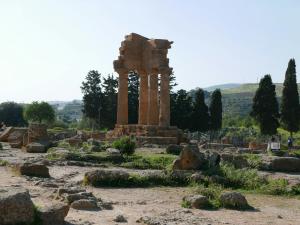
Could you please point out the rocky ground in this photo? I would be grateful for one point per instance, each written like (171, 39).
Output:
(151, 206)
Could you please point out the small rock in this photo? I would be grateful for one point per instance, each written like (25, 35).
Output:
(113, 151)
(197, 201)
(234, 200)
(120, 219)
(84, 204)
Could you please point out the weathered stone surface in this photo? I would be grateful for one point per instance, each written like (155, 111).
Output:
(84, 204)
(15, 138)
(36, 147)
(16, 206)
(78, 196)
(190, 159)
(32, 169)
(213, 158)
(113, 151)
(285, 164)
(196, 201)
(102, 177)
(37, 132)
(239, 161)
(5, 134)
(54, 214)
(233, 200)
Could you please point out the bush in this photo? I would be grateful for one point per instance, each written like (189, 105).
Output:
(1, 146)
(212, 192)
(174, 149)
(125, 144)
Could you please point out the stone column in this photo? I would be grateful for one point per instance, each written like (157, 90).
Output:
(153, 100)
(164, 109)
(122, 113)
(143, 99)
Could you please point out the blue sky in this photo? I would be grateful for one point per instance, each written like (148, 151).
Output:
(48, 46)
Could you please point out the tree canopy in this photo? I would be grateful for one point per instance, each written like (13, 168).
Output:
(290, 109)
(215, 110)
(11, 114)
(39, 112)
(265, 106)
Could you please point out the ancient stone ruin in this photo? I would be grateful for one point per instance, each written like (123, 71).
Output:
(148, 58)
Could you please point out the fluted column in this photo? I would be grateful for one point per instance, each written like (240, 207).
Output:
(164, 105)
(143, 99)
(122, 114)
(153, 100)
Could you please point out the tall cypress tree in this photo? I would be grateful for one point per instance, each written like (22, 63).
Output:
(200, 117)
(290, 113)
(265, 106)
(133, 97)
(92, 96)
(215, 110)
(109, 109)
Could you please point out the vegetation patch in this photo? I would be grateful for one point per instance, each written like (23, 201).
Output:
(3, 162)
(125, 144)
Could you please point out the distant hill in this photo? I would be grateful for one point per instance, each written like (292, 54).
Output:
(238, 100)
(222, 86)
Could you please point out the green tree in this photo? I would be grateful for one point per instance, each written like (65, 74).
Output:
(39, 112)
(181, 108)
(133, 97)
(290, 113)
(265, 106)
(215, 110)
(110, 85)
(11, 114)
(200, 118)
(92, 97)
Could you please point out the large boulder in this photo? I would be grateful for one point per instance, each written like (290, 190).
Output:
(190, 159)
(233, 200)
(15, 138)
(37, 132)
(36, 147)
(54, 214)
(16, 206)
(32, 169)
(104, 177)
(196, 201)
(285, 164)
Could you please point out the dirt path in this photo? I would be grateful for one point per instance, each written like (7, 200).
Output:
(162, 204)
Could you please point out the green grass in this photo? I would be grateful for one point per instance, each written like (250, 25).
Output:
(3, 162)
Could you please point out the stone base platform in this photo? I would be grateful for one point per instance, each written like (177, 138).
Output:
(148, 134)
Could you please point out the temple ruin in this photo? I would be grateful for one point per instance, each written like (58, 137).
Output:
(148, 58)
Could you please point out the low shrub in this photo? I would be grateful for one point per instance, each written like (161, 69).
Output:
(174, 149)
(125, 144)
(186, 204)
(212, 192)
(275, 187)
(3, 162)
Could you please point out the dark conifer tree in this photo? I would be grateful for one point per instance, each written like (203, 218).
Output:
(133, 97)
(215, 110)
(92, 96)
(290, 113)
(200, 118)
(265, 106)
(109, 110)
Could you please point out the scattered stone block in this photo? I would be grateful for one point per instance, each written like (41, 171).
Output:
(32, 169)
(190, 159)
(54, 214)
(196, 201)
(103, 177)
(16, 206)
(234, 200)
(84, 204)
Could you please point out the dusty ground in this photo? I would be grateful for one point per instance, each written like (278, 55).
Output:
(160, 203)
